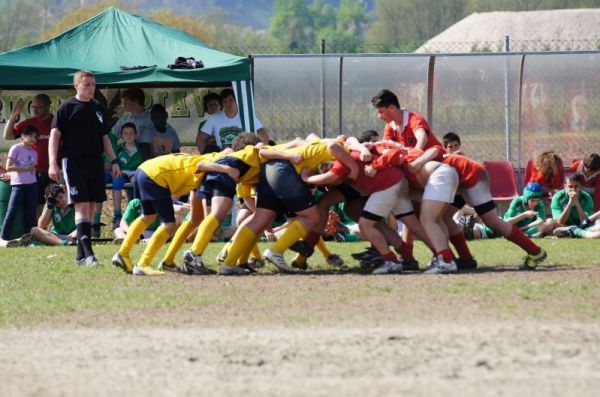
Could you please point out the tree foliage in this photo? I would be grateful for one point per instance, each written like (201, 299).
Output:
(78, 15)
(298, 23)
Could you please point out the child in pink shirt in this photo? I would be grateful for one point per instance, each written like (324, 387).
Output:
(21, 162)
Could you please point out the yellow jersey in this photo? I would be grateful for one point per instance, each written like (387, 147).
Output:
(249, 155)
(177, 171)
(313, 154)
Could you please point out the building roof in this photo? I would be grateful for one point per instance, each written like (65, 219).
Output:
(547, 30)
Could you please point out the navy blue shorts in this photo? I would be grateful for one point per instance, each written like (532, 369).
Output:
(220, 184)
(282, 190)
(155, 199)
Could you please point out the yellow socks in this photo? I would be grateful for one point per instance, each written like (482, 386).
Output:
(256, 252)
(243, 243)
(294, 232)
(158, 239)
(323, 248)
(178, 240)
(135, 231)
(206, 230)
(300, 259)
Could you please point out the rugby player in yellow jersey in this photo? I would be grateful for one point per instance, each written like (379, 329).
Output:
(222, 188)
(156, 180)
(281, 190)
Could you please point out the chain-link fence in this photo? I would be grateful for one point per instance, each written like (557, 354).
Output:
(328, 47)
(503, 105)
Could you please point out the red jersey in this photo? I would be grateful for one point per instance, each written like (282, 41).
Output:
(41, 146)
(384, 178)
(554, 182)
(592, 181)
(469, 171)
(405, 134)
(391, 157)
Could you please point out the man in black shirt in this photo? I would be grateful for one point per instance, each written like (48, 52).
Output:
(79, 132)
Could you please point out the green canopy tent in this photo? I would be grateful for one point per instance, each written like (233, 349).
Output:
(115, 38)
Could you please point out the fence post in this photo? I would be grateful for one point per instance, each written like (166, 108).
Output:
(340, 97)
(323, 114)
(507, 99)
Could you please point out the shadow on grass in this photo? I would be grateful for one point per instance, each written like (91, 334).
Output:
(515, 269)
(362, 272)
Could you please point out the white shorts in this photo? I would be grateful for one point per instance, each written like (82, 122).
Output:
(478, 194)
(441, 184)
(394, 199)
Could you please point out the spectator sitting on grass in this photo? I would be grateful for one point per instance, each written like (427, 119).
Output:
(592, 231)
(62, 216)
(132, 212)
(528, 212)
(572, 206)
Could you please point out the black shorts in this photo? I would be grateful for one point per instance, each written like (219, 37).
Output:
(43, 180)
(281, 189)
(348, 192)
(220, 184)
(154, 198)
(84, 179)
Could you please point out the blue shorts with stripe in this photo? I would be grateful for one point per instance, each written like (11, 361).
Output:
(282, 190)
(155, 199)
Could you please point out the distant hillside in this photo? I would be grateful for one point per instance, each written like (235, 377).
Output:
(256, 14)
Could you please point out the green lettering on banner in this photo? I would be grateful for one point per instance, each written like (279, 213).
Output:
(147, 101)
(161, 97)
(197, 101)
(55, 101)
(180, 108)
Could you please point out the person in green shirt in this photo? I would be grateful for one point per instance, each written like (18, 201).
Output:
(62, 216)
(572, 206)
(132, 212)
(572, 210)
(584, 231)
(529, 213)
(129, 155)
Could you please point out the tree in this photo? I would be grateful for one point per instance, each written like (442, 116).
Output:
(296, 24)
(207, 32)
(78, 15)
(291, 24)
(403, 25)
(18, 23)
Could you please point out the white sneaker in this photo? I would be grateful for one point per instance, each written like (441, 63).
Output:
(389, 267)
(277, 260)
(91, 261)
(193, 265)
(146, 271)
(227, 270)
(23, 241)
(441, 267)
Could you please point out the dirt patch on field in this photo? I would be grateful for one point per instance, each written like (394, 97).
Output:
(492, 332)
(509, 358)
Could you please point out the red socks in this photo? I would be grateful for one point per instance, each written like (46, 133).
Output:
(519, 238)
(460, 244)
(446, 254)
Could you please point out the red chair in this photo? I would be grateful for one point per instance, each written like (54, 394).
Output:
(503, 185)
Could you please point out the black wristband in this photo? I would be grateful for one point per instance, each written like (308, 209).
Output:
(115, 161)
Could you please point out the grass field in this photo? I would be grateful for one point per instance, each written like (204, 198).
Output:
(492, 331)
